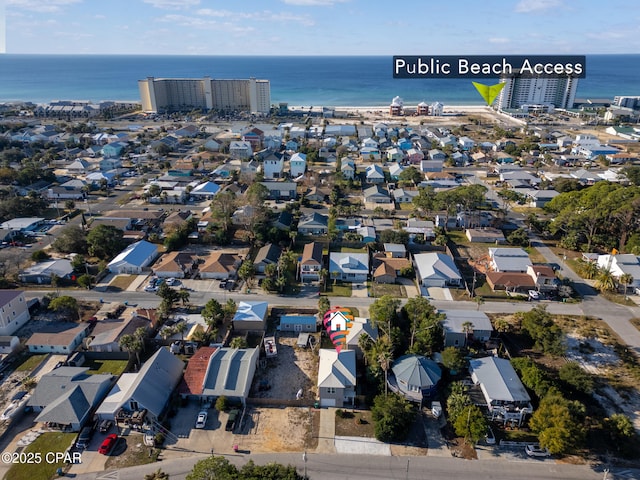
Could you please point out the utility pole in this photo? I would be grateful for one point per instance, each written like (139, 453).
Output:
(304, 458)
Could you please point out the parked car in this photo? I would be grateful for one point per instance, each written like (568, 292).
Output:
(534, 295)
(108, 443)
(535, 451)
(150, 288)
(231, 421)
(201, 420)
(84, 438)
(171, 281)
(436, 409)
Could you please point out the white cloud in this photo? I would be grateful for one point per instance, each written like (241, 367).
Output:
(41, 6)
(264, 15)
(499, 40)
(528, 6)
(172, 4)
(204, 23)
(313, 3)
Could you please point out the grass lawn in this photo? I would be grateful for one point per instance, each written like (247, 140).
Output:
(122, 282)
(619, 299)
(47, 442)
(31, 363)
(458, 237)
(353, 250)
(338, 290)
(517, 436)
(114, 367)
(380, 289)
(406, 206)
(535, 255)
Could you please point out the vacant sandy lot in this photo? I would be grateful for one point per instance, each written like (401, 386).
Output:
(293, 369)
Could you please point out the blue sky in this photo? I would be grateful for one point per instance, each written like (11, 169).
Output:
(320, 27)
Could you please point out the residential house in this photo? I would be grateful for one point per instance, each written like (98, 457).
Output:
(504, 259)
(14, 312)
(466, 143)
(298, 323)
(436, 269)
(113, 150)
(108, 332)
(241, 150)
(337, 377)
(395, 155)
(403, 195)
(622, 264)
(359, 327)
(395, 169)
(212, 145)
(135, 258)
(250, 316)
(485, 235)
(67, 396)
(376, 194)
(311, 262)
(176, 220)
(415, 156)
(349, 267)
(267, 255)
(463, 326)
(317, 195)
(220, 266)
(41, 273)
(503, 157)
(281, 190)
(370, 153)
(367, 233)
(369, 143)
(374, 174)
(175, 265)
(292, 146)
(216, 372)
(438, 155)
(395, 250)
(79, 167)
(431, 166)
(8, 344)
(273, 166)
(149, 389)
(415, 377)
(297, 164)
(313, 224)
(255, 136)
(388, 269)
(205, 191)
(284, 221)
(426, 228)
(348, 168)
(539, 198)
(504, 393)
(58, 337)
(544, 277)
(510, 281)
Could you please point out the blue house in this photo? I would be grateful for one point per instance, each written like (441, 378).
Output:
(114, 149)
(298, 323)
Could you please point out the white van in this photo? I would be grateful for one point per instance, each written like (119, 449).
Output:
(436, 409)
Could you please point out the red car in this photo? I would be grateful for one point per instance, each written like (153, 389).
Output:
(108, 443)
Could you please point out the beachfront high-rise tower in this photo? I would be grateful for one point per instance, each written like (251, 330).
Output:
(184, 94)
(522, 92)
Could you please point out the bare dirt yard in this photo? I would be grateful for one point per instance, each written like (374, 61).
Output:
(293, 369)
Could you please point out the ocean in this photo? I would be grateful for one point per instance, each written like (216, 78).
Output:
(309, 81)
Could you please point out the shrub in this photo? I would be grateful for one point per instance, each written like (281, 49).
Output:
(222, 403)
(159, 438)
(339, 413)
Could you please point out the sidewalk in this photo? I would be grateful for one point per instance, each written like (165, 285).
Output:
(327, 431)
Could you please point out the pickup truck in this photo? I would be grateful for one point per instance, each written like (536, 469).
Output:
(231, 421)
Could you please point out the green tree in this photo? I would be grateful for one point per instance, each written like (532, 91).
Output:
(105, 241)
(275, 471)
(85, 281)
(471, 424)
(383, 313)
(213, 313)
(181, 328)
(238, 342)
(605, 280)
(222, 208)
(410, 175)
(71, 239)
(213, 468)
(324, 304)
(425, 329)
(393, 416)
(539, 325)
(453, 359)
(168, 295)
(247, 271)
(69, 206)
(621, 433)
(131, 344)
(65, 306)
(576, 377)
(40, 255)
(557, 424)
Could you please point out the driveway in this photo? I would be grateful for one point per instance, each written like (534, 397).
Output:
(361, 446)
(410, 286)
(359, 290)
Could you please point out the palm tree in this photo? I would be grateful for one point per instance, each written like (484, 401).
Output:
(180, 328)
(184, 296)
(141, 334)
(605, 280)
(589, 270)
(479, 301)
(467, 328)
(626, 279)
(131, 344)
(199, 336)
(384, 359)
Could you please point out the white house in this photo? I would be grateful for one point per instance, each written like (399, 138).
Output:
(374, 174)
(349, 267)
(622, 264)
(298, 164)
(14, 312)
(504, 259)
(241, 150)
(436, 269)
(466, 143)
(455, 329)
(348, 169)
(273, 166)
(134, 258)
(336, 377)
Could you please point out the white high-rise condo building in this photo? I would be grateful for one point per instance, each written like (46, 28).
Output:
(183, 94)
(537, 92)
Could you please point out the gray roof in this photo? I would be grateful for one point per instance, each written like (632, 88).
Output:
(454, 319)
(499, 381)
(67, 393)
(230, 372)
(337, 369)
(136, 254)
(61, 267)
(270, 253)
(251, 312)
(416, 371)
(436, 265)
